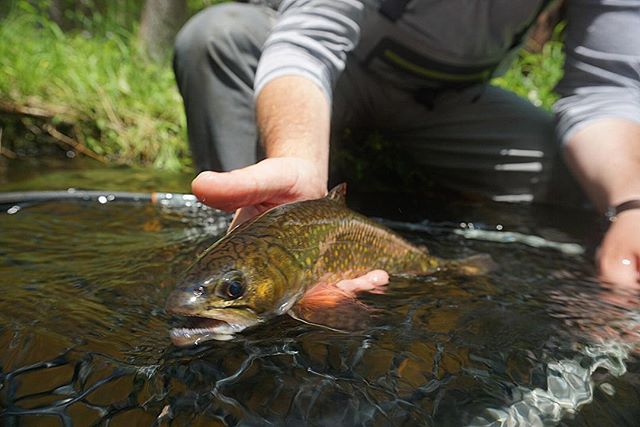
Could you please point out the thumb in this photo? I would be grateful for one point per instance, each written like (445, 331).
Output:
(267, 181)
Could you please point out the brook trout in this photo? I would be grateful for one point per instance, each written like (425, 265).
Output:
(263, 267)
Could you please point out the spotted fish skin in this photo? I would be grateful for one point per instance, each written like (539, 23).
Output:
(278, 256)
(333, 243)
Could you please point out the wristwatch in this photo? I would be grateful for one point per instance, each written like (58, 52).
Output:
(613, 211)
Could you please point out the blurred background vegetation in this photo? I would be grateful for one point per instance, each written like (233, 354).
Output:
(94, 77)
(83, 75)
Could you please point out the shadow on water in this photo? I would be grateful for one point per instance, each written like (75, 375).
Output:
(536, 342)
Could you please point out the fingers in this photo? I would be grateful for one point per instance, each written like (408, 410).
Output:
(267, 180)
(372, 281)
(618, 269)
(619, 255)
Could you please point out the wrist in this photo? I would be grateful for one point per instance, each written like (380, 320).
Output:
(307, 179)
(615, 211)
(293, 118)
(314, 174)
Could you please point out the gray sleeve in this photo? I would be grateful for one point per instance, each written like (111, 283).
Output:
(602, 66)
(311, 38)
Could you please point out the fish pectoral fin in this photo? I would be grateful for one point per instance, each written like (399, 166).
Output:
(333, 308)
(294, 313)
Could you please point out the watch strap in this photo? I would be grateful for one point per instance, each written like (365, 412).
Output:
(613, 211)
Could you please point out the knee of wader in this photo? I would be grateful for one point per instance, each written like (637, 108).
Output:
(220, 31)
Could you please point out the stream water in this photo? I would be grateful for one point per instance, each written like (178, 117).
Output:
(84, 334)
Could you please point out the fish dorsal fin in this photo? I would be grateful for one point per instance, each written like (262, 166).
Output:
(338, 193)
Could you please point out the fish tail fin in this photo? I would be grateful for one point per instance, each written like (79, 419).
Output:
(475, 265)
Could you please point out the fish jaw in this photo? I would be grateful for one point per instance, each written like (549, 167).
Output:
(215, 324)
(208, 330)
(209, 323)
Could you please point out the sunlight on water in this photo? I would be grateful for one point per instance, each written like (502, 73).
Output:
(468, 231)
(85, 335)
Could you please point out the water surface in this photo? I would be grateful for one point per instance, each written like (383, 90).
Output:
(85, 336)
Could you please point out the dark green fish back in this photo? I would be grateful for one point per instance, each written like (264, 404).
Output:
(333, 242)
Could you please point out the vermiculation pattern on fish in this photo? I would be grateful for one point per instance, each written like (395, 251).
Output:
(262, 268)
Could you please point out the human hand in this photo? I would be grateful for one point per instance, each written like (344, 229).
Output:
(272, 182)
(618, 258)
(254, 189)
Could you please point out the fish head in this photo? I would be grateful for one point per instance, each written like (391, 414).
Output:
(232, 286)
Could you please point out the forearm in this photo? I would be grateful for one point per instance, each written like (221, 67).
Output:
(605, 158)
(293, 118)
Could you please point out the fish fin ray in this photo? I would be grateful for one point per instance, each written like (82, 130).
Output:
(338, 193)
(328, 306)
(293, 313)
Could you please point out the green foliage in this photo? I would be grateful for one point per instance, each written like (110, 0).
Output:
(534, 75)
(96, 17)
(196, 5)
(123, 107)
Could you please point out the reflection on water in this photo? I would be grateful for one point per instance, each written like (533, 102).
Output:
(84, 333)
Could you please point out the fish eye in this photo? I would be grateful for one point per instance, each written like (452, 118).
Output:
(235, 289)
(232, 286)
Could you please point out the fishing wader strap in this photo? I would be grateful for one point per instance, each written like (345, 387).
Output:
(434, 76)
(437, 75)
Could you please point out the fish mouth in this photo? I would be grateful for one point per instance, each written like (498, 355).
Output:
(201, 329)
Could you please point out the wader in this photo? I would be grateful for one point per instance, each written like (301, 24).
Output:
(462, 132)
